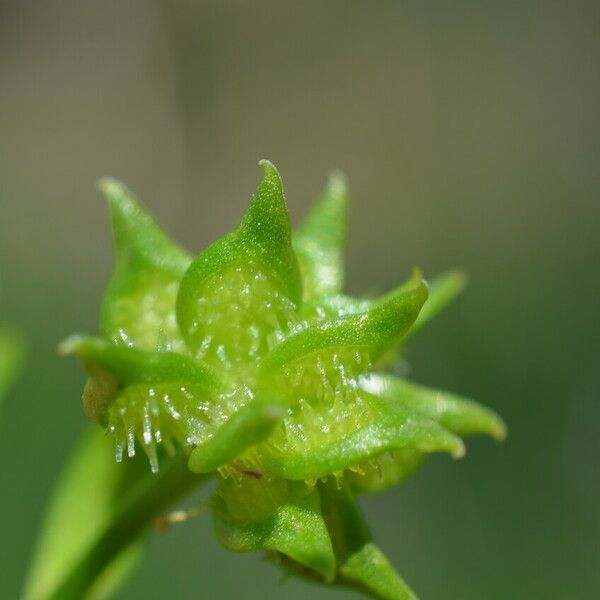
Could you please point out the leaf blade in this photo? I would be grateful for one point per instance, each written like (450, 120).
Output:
(93, 521)
(375, 330)
(248, 426)
(12, 352)
(131, 365)
(264, 236)
(460, 415)
(292, 524)
(360, 563)
(139, 305)
(78, 510)
(319, 241)
(389, 430)
(443, 289)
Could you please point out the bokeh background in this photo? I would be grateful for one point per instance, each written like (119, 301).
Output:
(470, 135)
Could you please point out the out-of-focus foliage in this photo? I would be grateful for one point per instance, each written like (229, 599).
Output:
(12, 350)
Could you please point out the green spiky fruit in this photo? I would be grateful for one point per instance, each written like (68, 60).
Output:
(251, 360)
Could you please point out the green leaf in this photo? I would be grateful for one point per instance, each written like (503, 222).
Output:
(461, 416)
(267, 232)
(320, 239)
(391, 428)
(12, 350)
(443, 289)
(374, 331)
(347, 528)
(254, 514)
(249, 425)
(132, 366)
(80, 508)
(441, 292)
(94, 522)
(139, 241)
(116, 573)
(361, 564)
(370, 571)
(340, 305)
(154, 397)
(139, 305)
(229, 270)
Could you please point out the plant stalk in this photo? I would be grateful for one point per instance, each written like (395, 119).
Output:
(152, 497)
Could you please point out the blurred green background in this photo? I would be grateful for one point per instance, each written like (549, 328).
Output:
(470, 135)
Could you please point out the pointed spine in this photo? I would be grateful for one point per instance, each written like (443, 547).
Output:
(263, 235)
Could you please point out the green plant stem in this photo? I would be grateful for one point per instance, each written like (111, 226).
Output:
(153, 496)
